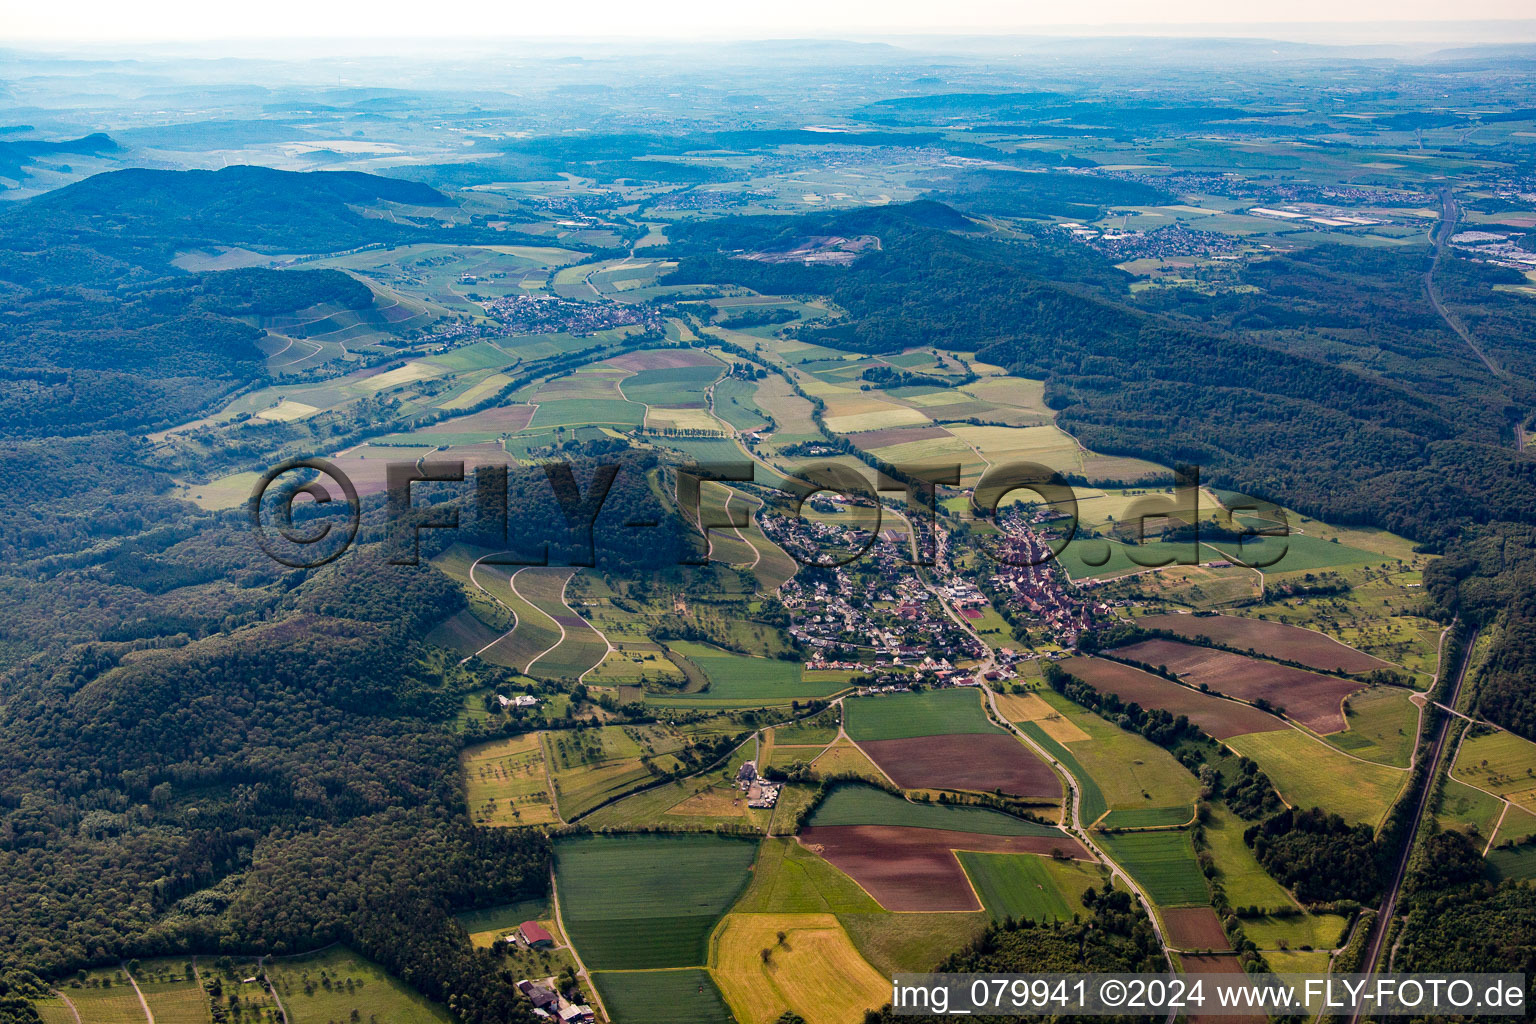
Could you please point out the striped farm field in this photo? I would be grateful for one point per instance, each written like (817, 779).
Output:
(577, 647)
(536, 630)
(743, 679)
(905, 715)
(789, 879)
(1026, 887)
(1315, 701)
(1271, 639)
(662, 997)
(680, 386)
(1220, 718)
(172, 992)
(577, 412)
(641, 902)
(1163, 863)
(866, 805)
(106, 997)
(814, 970)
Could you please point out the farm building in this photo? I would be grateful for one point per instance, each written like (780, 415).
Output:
(534, 934)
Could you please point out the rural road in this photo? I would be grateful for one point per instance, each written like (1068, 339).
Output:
(1383, 923)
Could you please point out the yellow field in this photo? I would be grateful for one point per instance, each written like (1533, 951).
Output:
(410, 373)
(895, 416)
(1500, 763)
(1309, 773)
(1029, 707)
(682, 419)
(480, 392)
(506, 782)
(816, 972)
(843, 758)
(286, 411)
(1048, 446)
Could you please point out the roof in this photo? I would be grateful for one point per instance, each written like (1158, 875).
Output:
(532, 931)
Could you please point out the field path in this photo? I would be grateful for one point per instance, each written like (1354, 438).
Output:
(68, 1005)
(581, 968)
(512, 582)
(273, 990)
(499, 601)
(150, 1017)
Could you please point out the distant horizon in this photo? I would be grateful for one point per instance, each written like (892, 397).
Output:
(1422, 36)
(98, 24)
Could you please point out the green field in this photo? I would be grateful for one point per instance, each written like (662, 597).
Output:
(1238, 871)
(1461, 807)
(1163, 863)
(673, 386)
(1517, 862)
(1500, 763)
(1298, 552)
(817, 731)
(1383, 725)
(1141, 783)
(1091, 803)
(1025, 887)
(789, 879)
(640, 902)
(575, 412)
(662, 997)
(734, 403)
(581, 647)
(173, 996)
(742, 680)
(906, 715)
(329, 986)
(1309, 773)
(866, 805)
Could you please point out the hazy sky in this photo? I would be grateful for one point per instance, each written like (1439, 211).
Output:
(125, 20)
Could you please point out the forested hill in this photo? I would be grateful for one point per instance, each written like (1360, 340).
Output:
(141, 213)
(1255, 414)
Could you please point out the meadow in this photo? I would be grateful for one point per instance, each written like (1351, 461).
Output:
(909, 715)
(506, 782)
(331, 985)
(740, 679)
(1163, 863)
(1500, 763)
(641, 902)
(1310, 773)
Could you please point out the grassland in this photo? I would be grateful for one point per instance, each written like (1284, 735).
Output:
(506, 782)
(1500, 763)
(640, 902)
(1141, 783)
(662, 997)
(741, 680)
(911, 942)
(1461, 806)
(1163, 863)
(578, 647)
(597, 765)
(789, 879)
(105, 997)
(1246, 882)
(865, 805)
(1309, 773)
(813, 970)
(818, 731)
(172, 992)
(1092, 804)
(329, 986)
(1382, 726)
(845, 758)
(909, 715)
(1027, 887)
